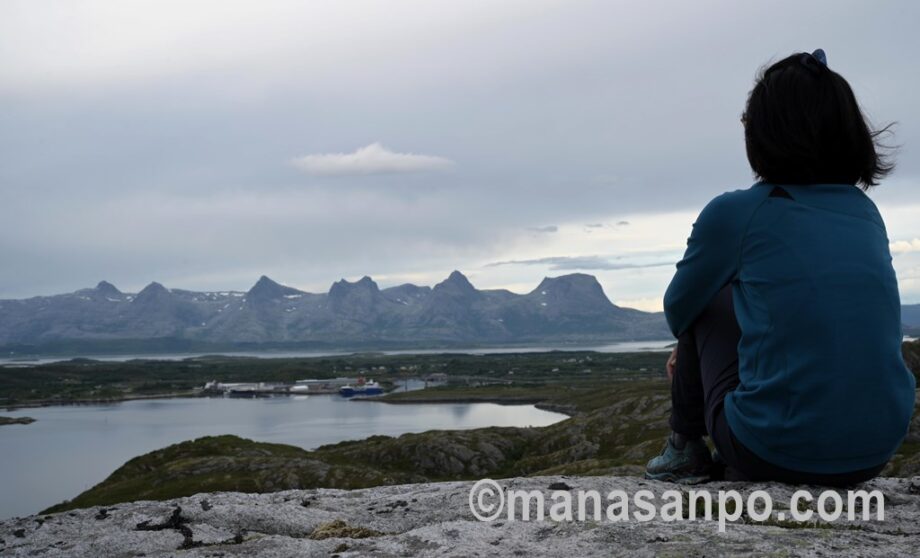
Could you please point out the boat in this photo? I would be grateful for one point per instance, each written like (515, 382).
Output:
(361, 387)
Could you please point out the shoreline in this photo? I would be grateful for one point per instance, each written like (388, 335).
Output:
(100, 401)
(5, 421)
(538, 402)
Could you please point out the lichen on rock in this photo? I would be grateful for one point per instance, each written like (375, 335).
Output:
(338, 529)
(434, 519)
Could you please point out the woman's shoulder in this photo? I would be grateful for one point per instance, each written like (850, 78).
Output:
(752, 194)
(736, 204)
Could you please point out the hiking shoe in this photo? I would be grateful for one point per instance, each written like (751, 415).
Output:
(690, 465)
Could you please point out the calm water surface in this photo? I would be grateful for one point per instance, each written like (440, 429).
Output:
(71, 448)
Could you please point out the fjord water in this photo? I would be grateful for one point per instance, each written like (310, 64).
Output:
(71, 448)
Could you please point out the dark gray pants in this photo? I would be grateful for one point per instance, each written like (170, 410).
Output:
(707, 370)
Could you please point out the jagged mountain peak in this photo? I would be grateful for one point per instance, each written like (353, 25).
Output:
(572, 288)
(151, 293)
(366, 280)
(456, 276)
(571, 279)
(152, 288)
(267, 289)
(108, 289)
(343, 287)
(456, 283)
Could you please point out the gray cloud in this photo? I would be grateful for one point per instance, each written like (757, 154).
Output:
(560, 263)
(546, 229)
(155, 142)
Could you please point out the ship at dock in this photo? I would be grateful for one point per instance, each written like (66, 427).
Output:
(361, 387)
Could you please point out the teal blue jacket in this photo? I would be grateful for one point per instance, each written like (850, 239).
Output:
(823, 385)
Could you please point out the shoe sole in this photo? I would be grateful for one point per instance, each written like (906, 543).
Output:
(671, 477)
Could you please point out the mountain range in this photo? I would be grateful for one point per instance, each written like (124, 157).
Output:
(569, 309)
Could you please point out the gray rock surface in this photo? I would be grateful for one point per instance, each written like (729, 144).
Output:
(434, 519)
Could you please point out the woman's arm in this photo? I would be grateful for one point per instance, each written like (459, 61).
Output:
(710, 261)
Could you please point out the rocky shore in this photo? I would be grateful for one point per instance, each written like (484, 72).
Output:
(16, 420)
(434, 519)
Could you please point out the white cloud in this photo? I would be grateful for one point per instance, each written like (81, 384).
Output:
(905, 246)
(372, 159)
(646, 304)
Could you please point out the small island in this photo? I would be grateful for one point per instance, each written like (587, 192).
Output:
(16, 420)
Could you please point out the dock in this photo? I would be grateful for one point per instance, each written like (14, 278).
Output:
(311, 386)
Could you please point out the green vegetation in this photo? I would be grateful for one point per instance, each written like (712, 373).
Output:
(222, 463)
(618, 421)
(81, 380)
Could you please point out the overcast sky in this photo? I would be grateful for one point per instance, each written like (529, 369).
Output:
(203, 144)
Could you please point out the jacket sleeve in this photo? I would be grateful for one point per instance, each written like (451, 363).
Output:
(709, 263)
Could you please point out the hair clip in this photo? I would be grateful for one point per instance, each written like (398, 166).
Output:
(820, 56)
(816, 62)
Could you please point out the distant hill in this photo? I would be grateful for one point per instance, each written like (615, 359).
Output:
(910, 317)
(569, 309)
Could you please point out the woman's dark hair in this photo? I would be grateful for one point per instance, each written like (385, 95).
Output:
(802, 125)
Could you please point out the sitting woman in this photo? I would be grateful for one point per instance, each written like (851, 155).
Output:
(785, 304)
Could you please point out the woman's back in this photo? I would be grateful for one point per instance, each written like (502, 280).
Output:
(823, 385)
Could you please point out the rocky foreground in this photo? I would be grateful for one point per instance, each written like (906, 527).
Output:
(434, 519)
